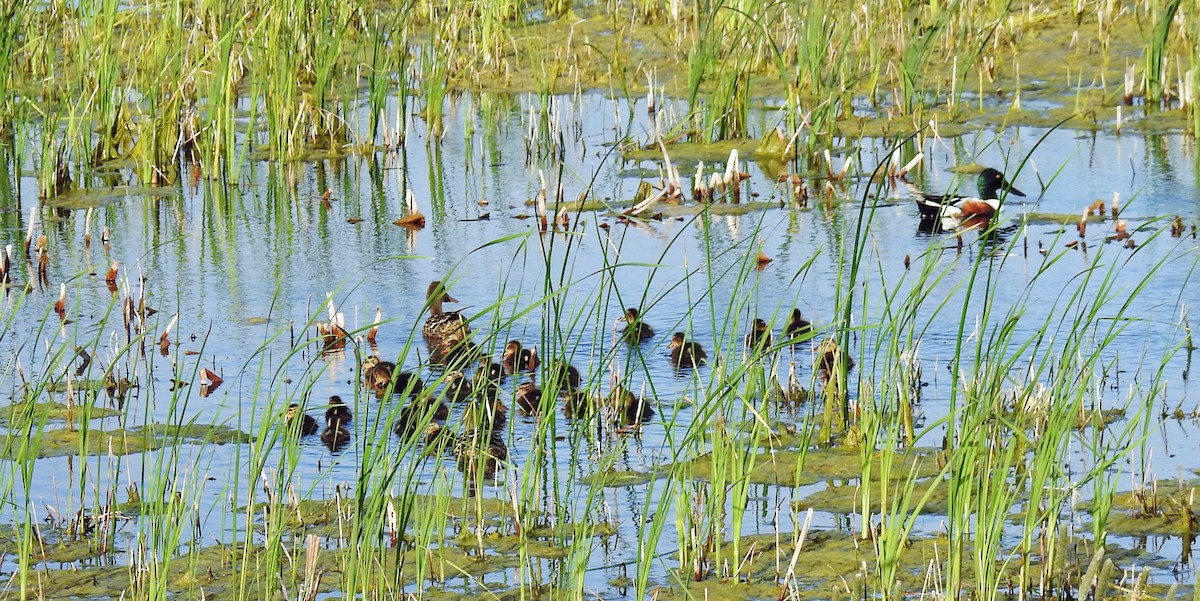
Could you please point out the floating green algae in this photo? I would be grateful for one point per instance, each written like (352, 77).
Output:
(87, 441)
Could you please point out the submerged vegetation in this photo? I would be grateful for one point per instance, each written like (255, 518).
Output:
(628, 401)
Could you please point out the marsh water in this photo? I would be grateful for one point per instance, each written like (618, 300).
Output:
(247, 261)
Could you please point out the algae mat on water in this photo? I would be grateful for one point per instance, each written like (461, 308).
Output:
(86, 441)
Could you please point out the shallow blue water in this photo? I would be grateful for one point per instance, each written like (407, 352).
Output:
(247, 267)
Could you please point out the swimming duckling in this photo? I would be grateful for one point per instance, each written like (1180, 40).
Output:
(635, 330)
(566, 375)
(420, 412)
(381, 374)
(336, 435)
(628, 408)
(446, 333)
(829, 355)
(759, 337)
(299, 422)
(338, 414)
(516, 358)
(458, 387)
(528, 398)
(477, 451)
(686, 353)
(797, 326)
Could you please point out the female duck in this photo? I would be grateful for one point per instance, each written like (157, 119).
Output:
(445, 332)
(686, 353)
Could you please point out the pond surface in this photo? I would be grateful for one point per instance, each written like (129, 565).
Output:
(247, 264)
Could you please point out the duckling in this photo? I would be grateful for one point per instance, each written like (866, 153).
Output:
(458, 387)
(628, 408)
(686, 353)
(299, 422)
(829, 354)
(338, 414)
(567, 376)
(419, 413)
(336, 435)
(528, 398)
(380, 375)
(635, 330)
(797, 326)
(488, 372)
(447, 333)
(477, 451)
(516, 358)
(759, 337)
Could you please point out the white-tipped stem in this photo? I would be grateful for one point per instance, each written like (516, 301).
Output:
(846, 167)
(410, 200)
(61, 305)
(87, 227)
(165, 340)
(911, 164)
(641, 207)
(32, 226)
(541, 199)
(828, 161)
(329, 307)
(732, 166)
(716, 183)
(1116, 204)
(375, 326)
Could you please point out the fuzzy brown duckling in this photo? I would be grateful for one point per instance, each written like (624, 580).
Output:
(338, 414)
(628, 409)
(379, 375)
(759, 337)
(635, 330)
(528, 398)
(517, 358)
(828, 356)
(686, 353)
(336, 435)
(299, 422)
(797, 326)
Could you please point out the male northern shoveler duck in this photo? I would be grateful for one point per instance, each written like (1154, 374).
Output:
(686, 353)
(797, 326)
(517, 358)
(445, 332)
(953, 211)
(300, 422)
(635, 330)
(759, 337)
